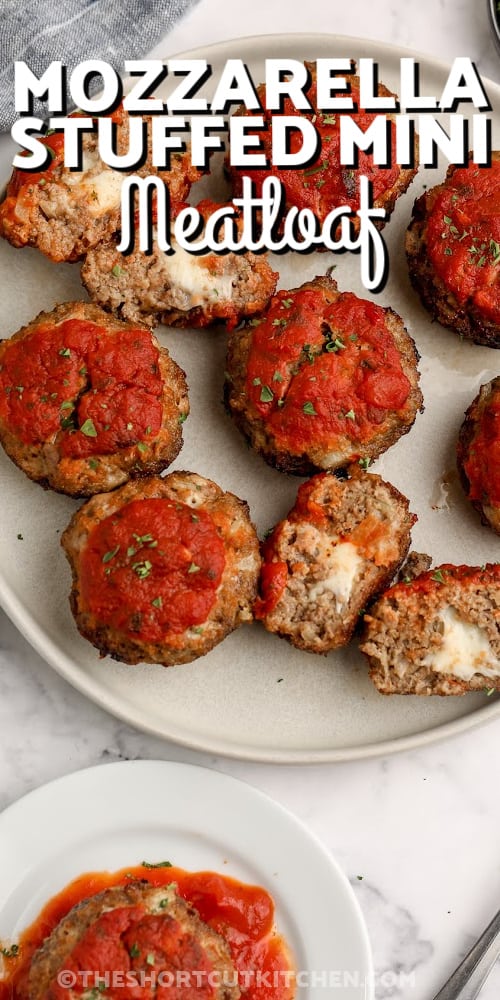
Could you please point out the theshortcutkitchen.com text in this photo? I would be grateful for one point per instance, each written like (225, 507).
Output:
(189, 119)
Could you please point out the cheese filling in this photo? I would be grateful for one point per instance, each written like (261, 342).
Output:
(100, 189)
(464, 651)
(344, 562)
(188, 274)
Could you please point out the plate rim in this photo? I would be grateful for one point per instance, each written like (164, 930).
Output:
(135, 768)
(109, 701)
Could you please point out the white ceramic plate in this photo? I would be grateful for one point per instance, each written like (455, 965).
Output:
(109, 817)
(254, 696)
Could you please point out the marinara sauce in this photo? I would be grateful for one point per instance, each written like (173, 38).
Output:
(152, 569)
(482, 462)
(325, 184)
(319, 371)
(242, 914)
(463, 237)
(95, 390)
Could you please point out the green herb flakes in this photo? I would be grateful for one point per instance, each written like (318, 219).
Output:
(88, 428)
(309, 409)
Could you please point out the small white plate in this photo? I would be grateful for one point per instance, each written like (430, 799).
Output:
(109, 817)
(254, 696)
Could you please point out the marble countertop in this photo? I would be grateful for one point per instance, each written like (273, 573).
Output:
(420, 828)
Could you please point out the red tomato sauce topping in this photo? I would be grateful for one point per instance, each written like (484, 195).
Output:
(92, 390)
(325, 184)
(152, 569)
(320, 371)
(482, 465)
(463, 237)
(25, 180)
(126, 938)
(432, 581)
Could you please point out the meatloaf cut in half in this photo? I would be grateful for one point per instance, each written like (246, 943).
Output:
(181, 288)
(135, 934)
(163, 569)
(453, 250)
(437, 634)
(88, 402)
(339, 546)
(65, 212)
(478, 453)
(322, 378)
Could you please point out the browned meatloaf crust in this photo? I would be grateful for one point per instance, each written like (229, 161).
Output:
(478, 453)
(437, 634)
(64, 212)
(146, 910)
(339, 546)
(234, 596)
(117, 382)
(466, 224)
(297, 379)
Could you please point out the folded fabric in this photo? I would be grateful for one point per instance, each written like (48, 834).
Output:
(39, 31)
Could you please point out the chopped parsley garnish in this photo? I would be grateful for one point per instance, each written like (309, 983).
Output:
(65, 352)
(329, 120)
(142, 569)
(10, 952)
(67, 405)
(182, 419)
(287, 303)
(150, 959)
(309, 409)
(134, 951)
(141, 446)
(437, 576)
(256, 381)
(88, 428)
(364, 463)
(277, 377)
(308, 353)
(280, 322)
(108, 556)
(193, 568)
(489, 692)
(93, 463)
(157, 864)
(315, 170)
(332, 346)
(266, 394)
(157, 603)
(116, 271)
(350, 415)
(255, 322)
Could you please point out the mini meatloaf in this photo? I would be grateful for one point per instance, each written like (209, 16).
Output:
(437, 634)
(339, 546)
(322, 379)
(325, 184)
(87, 402)
(179, 289)
(163, 570)
(478, 453)
(65, 212)
(453, 250)
(141, 932)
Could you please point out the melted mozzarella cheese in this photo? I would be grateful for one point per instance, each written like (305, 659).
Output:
(188, 274)
(101, 190)
(344, 563)
(464, 650)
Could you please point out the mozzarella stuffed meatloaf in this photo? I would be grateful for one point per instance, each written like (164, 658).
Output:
(322, 379)
(65, 212)
(178, 289)
(139, 930)
(325, 184)
(453, 250)
(339, 546)
(478, 453)
(437, 634)
(162, 570)
(87, 402)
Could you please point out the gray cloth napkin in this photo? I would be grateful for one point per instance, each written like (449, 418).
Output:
(39, 31)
